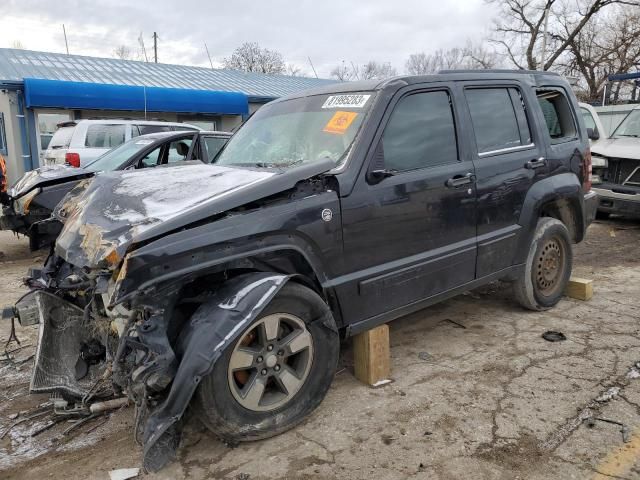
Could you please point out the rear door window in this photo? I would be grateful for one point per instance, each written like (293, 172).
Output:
(104, 135)
(499, 119)
(421, 132)
(557, 115)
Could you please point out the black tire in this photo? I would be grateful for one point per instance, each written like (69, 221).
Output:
(534, 289)
(600, 215)
(229, 420)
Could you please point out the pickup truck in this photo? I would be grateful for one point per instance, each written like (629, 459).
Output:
(616, 168)
(329, 212)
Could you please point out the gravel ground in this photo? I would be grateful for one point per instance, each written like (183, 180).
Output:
(477, 393)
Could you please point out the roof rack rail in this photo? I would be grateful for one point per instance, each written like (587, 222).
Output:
(504, 70)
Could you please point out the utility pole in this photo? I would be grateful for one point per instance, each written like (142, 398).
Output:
(207, 49)
(65, 38)
(155, 47)
(544, 38)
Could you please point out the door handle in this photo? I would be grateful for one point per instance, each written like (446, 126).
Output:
(460, 180)
(536, 163)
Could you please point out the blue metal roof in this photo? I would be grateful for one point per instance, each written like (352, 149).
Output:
(79, 95)
(16, 65)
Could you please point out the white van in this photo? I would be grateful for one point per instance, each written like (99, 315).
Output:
(79, 143)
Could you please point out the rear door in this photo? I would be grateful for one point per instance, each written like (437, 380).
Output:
(508, 159)
(410, 235)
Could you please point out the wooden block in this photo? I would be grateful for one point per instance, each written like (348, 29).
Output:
(371, 356)
(580, 288)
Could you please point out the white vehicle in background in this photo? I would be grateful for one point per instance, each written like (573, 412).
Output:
(595, 128)
(616, 166)
(79, 143)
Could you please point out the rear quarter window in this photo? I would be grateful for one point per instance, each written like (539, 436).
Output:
(62, 137)
(104, 135)
(558, 118)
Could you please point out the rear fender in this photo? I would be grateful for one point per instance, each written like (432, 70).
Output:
(214, 326)
(565, 186)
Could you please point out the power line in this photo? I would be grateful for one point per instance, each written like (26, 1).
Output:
(65, 38)
(207, 49)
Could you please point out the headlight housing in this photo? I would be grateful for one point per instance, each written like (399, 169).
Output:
(21, 204)
(598, 161)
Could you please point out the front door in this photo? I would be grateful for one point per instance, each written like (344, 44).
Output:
(411, 234)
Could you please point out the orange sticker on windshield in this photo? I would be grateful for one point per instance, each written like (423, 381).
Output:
(340, 122)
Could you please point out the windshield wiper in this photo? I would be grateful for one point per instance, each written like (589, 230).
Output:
(628, 135)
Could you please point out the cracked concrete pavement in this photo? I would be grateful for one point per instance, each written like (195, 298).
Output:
(477, 393)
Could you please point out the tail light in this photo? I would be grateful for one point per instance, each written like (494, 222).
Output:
(587, 171)
(73, 159)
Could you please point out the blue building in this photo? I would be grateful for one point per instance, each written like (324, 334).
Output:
(39, 90)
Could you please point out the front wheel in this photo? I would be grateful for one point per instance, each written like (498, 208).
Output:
(548, 266)
(276, 373)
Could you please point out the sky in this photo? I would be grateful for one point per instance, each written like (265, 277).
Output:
(327, 31)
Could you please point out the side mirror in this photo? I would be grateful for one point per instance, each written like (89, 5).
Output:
(593, 134)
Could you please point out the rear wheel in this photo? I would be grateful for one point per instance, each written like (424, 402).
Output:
(548, 266)
(276, 373)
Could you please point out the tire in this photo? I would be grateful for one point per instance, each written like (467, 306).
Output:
(600, 215)
(541, 286)
(220, 408)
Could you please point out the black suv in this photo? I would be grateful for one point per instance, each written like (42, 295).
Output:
(329, 212)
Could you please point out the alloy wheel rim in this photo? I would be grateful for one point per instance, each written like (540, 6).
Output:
(270, 362)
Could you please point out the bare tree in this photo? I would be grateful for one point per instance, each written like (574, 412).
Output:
(17, 44)
(519, 28)
(122, 52)
(469, 57)
(369, 71)
(250, 57)
(373, 70)
(293, 70)
(606, 45)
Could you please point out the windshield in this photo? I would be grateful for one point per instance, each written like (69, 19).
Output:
(298, 131)
(119, 155)
(630, 126)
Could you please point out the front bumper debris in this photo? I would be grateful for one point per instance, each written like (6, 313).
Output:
(63, 335)
(618, 199)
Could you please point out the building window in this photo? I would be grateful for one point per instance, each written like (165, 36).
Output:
(3, 136)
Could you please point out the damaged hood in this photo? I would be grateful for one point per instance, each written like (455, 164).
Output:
(45, 176)
(618, 147)
(103, 217)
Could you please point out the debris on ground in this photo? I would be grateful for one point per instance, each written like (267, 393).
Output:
(624, 430)
(454, 323)
(608, 395)
(124, 473)
(552, 336)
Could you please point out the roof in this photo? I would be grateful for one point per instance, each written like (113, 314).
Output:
(533, 77)
(17, 64)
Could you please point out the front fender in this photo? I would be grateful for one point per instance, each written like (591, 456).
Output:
(214, 326)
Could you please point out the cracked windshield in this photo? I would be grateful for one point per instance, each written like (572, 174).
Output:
(298, 131)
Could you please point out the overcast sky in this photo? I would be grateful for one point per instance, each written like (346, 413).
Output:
(328, 31)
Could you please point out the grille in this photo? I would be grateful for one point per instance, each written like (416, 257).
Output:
(624, 171)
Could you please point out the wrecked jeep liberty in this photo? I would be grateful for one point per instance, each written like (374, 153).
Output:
(328, 213)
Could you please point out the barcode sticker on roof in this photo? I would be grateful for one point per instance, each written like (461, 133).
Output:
(346, 101)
